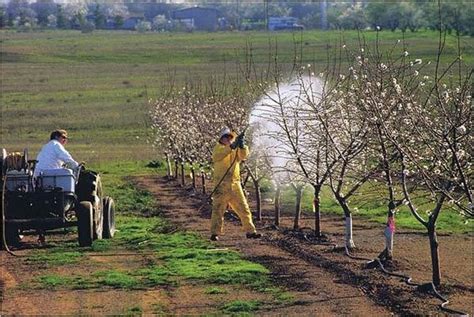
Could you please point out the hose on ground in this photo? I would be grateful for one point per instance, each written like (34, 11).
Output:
(407, 279)
(4, 239)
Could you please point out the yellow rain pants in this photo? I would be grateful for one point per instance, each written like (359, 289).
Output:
(229, 191)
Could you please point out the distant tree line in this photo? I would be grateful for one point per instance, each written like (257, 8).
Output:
(412, 15)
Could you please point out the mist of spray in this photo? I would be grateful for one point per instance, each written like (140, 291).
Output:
(287, 100)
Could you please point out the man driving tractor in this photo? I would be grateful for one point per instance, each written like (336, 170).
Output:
(53, 154)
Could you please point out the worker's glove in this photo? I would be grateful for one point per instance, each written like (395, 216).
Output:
(241, 141)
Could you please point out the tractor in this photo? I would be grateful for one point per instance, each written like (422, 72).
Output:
(56, 198)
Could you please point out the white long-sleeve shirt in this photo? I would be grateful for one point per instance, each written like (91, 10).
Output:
(53, 155)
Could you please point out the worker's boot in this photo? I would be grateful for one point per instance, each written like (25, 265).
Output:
(214, 237)
(41, 238)
(253, 235)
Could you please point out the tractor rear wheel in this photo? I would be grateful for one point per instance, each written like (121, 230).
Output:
(84, 213)
(12, 237)
(109, 218)
(89, 188)
(3, 165)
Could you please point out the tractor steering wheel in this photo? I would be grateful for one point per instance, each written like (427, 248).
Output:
(77, 171)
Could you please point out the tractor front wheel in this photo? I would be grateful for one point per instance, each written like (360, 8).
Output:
(85, 225)
(109, 218)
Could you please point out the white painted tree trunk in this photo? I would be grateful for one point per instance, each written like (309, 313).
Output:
(389, 234)
(168, 167)
(349, 242)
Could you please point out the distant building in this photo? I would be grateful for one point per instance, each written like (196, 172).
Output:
(283, 23)
(131, 23)
(198, 18)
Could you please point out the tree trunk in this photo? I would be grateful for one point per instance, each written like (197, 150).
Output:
(348, 228)
(299, 193)
(258, 196)
(317, 211)
(277, 205)
(168, 167)
(182, 174)
(389, 233)
(176, 169)
(434, 253)
(348, 236)
(203, 179)
(193, 175)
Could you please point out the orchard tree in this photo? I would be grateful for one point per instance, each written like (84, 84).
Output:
(75, 12)
(100, 18)
(118, 12)
(160, 23)
(44, 9)
(61, 20)
(3, 17)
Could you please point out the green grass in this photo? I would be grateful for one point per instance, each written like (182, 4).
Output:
(116, 279)
(55, 281)
(215, 290)
(55, 257)
(134, 311)
(240, 306)
(96, 85)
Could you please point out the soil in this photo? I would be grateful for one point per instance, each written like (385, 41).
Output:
(322, 279)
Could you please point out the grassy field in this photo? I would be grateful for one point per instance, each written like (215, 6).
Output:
(97, 85)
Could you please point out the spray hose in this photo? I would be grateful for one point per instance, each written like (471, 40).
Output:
(222, 179)
(4, 239)
(408, 280)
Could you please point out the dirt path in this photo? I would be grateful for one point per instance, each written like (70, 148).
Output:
(314, 289)
(328, 282)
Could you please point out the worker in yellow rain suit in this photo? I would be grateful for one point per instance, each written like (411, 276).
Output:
(227, 155)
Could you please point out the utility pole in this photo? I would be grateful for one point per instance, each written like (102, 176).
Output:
(324, 14)
(265, 2)
(238, 15)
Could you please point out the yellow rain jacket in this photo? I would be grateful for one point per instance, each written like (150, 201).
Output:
(229, 191)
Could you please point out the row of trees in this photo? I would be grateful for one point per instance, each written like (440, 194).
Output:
(70, 14)
(187, 119)
(380, 124)
(405, 15)
(388, 124)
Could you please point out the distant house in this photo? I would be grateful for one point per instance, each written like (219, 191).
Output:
(131, 22)
(283, 23)
(198, 18)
